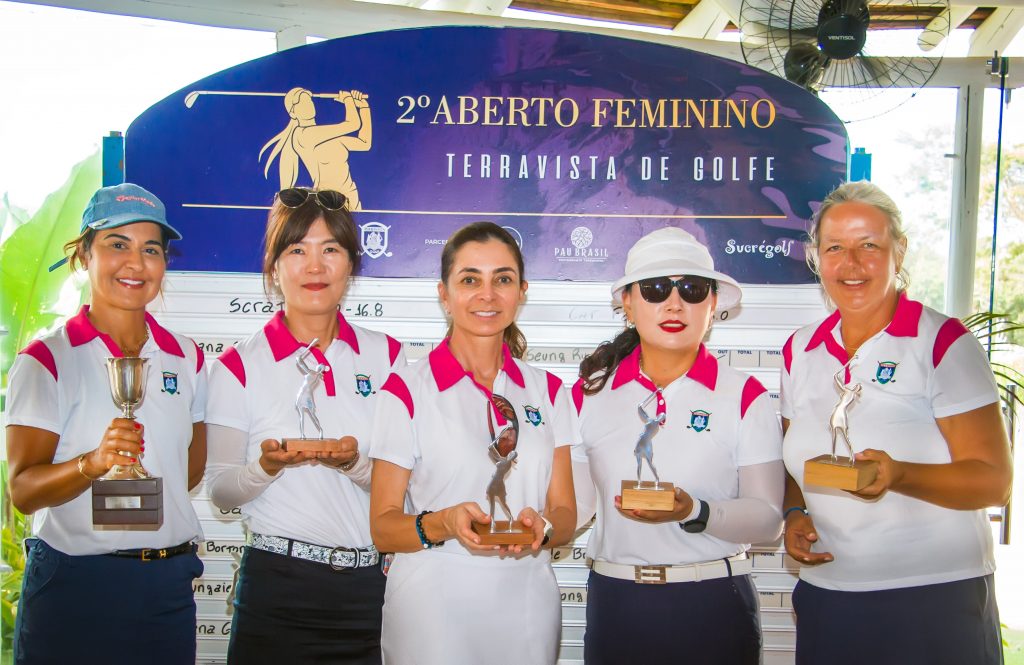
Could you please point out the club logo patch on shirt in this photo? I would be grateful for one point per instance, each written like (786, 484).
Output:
(363, 385)
(699, 420)
(533, 415)
(170, 383)
(886, 372)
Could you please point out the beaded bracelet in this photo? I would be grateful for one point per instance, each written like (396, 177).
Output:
(427, 544)
(789, 510)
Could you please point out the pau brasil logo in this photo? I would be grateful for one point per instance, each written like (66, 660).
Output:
(581, 249)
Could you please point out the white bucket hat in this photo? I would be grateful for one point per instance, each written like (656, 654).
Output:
(672, 251)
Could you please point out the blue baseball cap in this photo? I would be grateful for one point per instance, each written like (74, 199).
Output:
(122, 204)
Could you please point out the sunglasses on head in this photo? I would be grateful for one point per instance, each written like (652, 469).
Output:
(692, 289)
(296, 197)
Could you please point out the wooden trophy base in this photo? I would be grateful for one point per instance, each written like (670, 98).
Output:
(649, 496)
(128, 504)
(313, 445)
(517, 535)
(822, 471)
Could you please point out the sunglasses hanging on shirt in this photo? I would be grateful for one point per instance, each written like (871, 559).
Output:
(692, 289)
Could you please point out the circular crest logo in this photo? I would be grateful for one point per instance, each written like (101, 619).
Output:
(581, 237)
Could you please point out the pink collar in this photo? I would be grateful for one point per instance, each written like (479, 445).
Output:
(283, 343)
(447, 371)
(80, 330)
(704, 370)
(905, 321)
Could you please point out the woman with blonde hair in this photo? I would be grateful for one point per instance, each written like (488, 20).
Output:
(323, 149)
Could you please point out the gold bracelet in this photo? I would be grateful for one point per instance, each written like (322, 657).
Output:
(347, 466)
(81, 467)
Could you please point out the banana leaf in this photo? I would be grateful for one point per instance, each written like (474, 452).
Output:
(993, 330)
(34, 300)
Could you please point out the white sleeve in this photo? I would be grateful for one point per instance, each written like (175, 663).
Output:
(760, 433)
(393, 437)
(786, 392)
(963, 380)
(360, 471)
(756, 515)
(199, 395)
(230, 480)
(564, 422)
(32, 395)
(226, 402)
(586, 491)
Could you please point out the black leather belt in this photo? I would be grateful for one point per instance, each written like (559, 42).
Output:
(155, 553)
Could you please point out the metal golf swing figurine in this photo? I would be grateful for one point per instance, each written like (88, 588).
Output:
(647, 495)
(127, 496)
(305, 405)
(502, 452)
(845, 473)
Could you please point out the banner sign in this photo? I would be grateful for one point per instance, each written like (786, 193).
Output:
(578, 144)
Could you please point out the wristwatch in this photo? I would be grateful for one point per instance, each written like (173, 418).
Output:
(549, 530)
(698, 523)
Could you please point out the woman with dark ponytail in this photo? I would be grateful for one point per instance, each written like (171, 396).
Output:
(717, 438)
(438, 439)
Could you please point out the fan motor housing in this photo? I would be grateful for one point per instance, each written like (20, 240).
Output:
(842, 28)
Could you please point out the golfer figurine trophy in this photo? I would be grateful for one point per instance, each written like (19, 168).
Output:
(502, 451)
(305, 406)
(647, 495)
(843, 473)
(127, 496)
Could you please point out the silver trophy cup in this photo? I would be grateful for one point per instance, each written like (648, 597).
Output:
(128, 388)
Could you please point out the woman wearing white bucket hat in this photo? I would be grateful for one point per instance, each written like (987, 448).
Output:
(719, 442)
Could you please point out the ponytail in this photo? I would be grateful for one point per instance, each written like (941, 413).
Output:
(605, 358)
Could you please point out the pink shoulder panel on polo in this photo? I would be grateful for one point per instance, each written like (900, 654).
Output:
(554, 385)
(396, 386)
(200, 357)
(577, 395)
(232, 359)
(42, 353)
(394, 347)
(787, 354)
(752, 389)
(950, 332)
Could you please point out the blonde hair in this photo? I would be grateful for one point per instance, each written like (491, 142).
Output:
(870, 194)
(282, 143)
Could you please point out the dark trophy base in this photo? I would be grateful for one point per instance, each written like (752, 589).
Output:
(649, 496)
(822, 471)
(516, 535)
(128, 504)
(313, 445)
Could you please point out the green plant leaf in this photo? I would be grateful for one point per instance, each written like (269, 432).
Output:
(30, 301)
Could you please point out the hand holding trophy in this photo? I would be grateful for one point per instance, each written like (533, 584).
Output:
(845, 473)
(127, 496)
(647, 495)
(502, 452)
(305, 406)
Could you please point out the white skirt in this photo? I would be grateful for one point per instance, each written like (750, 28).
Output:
(451, 609)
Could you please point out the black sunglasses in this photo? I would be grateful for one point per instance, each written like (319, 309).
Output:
(692, 289)
(296, 197)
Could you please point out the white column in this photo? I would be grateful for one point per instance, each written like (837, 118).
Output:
(963, 222)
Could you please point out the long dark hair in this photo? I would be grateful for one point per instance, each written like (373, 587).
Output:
(599, 365)
(482, 232)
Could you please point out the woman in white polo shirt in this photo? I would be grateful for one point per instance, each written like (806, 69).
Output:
(450, 599)
(900, 571)
(674, 586)
(310, 586)
(111, 595)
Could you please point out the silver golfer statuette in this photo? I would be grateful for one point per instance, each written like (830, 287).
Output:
(305, 407)
(127, 496)
(841, 472)
(647, 495)
(502, 452)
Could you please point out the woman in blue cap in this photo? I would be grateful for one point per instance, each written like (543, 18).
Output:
(108, 595)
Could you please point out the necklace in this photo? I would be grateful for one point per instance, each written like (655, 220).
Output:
(134, 350)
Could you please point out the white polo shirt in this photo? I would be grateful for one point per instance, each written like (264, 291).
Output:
(253, 388)
(716, 420)
(59, 383)
(433, 420)
(922, 366)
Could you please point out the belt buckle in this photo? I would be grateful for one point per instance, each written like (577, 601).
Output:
(355, 558)
(148, 554)
(650, 574)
